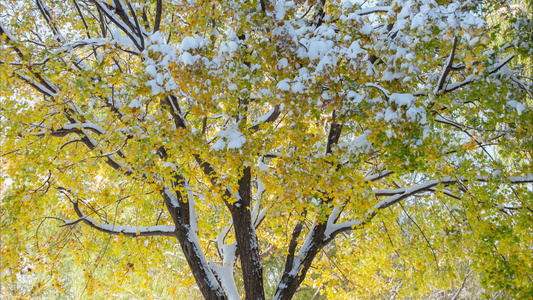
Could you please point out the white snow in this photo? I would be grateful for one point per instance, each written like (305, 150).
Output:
(264, 117)
(297, 87)
(126, 229)
(188, 59)
(173, 199)
(151, 70)
(332, 227)
(517, 105)
(358, 145)
(134, 103)
(402, 99)
(279, 10)
(189, 43)
(283, 63)
(230, 137)
(169, 164)
(122, 40)
(283, 85)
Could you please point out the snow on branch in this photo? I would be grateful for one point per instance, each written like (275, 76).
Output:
(39, 87)
(400, 194)
(270, 116)
(528, 178)
(380, 88)
(456, 85)
(469, 79)
(87, 125)
(224, 273)
(369, 11)
(447, 68)
(158, 230)
(397, 195)
(333, 229)
(126, 28)
(258, 216)
(373, 10)
(504, 62)
(378, 176)
(8, 35)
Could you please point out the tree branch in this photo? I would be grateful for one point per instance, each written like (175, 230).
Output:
(270, 116)
(158, 12)
(127, 27)
(158, 230)
(447, 68)
(247, 243)
(180, 213)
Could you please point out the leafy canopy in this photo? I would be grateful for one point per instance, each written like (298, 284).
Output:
(352, 149)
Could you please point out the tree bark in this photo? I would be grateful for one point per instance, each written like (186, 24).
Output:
(189, 244)
(247, 245)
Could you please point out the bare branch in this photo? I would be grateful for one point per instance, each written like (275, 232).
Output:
(421, 232)
(334, 134)
(456, 295)
(292, 245)
(158, 11)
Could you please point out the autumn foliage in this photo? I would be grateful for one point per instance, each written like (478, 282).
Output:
(266, 149)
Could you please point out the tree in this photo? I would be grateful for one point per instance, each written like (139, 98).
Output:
(389, 138)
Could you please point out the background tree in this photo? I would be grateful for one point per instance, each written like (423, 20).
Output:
(289, 148)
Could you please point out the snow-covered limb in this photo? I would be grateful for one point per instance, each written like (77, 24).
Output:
(453, 86)
(296, 266)
(400, 194)
(9, 36)
(258, 216)
(447, 68)
(397, 195)
(501, 64)
(528, 178)
(332, 229)
(192, 208)
(224, 273)
(73, 128)
(373, 10)
(180, 212)
(196, 249)
(380, 88)
(47, 15)
(298, 260)
(173, 199)
(126, 28)
(38, 86)
(378, 176)
(469, 79)
(86, 125)
(270, 116)
(158, 230)
(221, 237)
